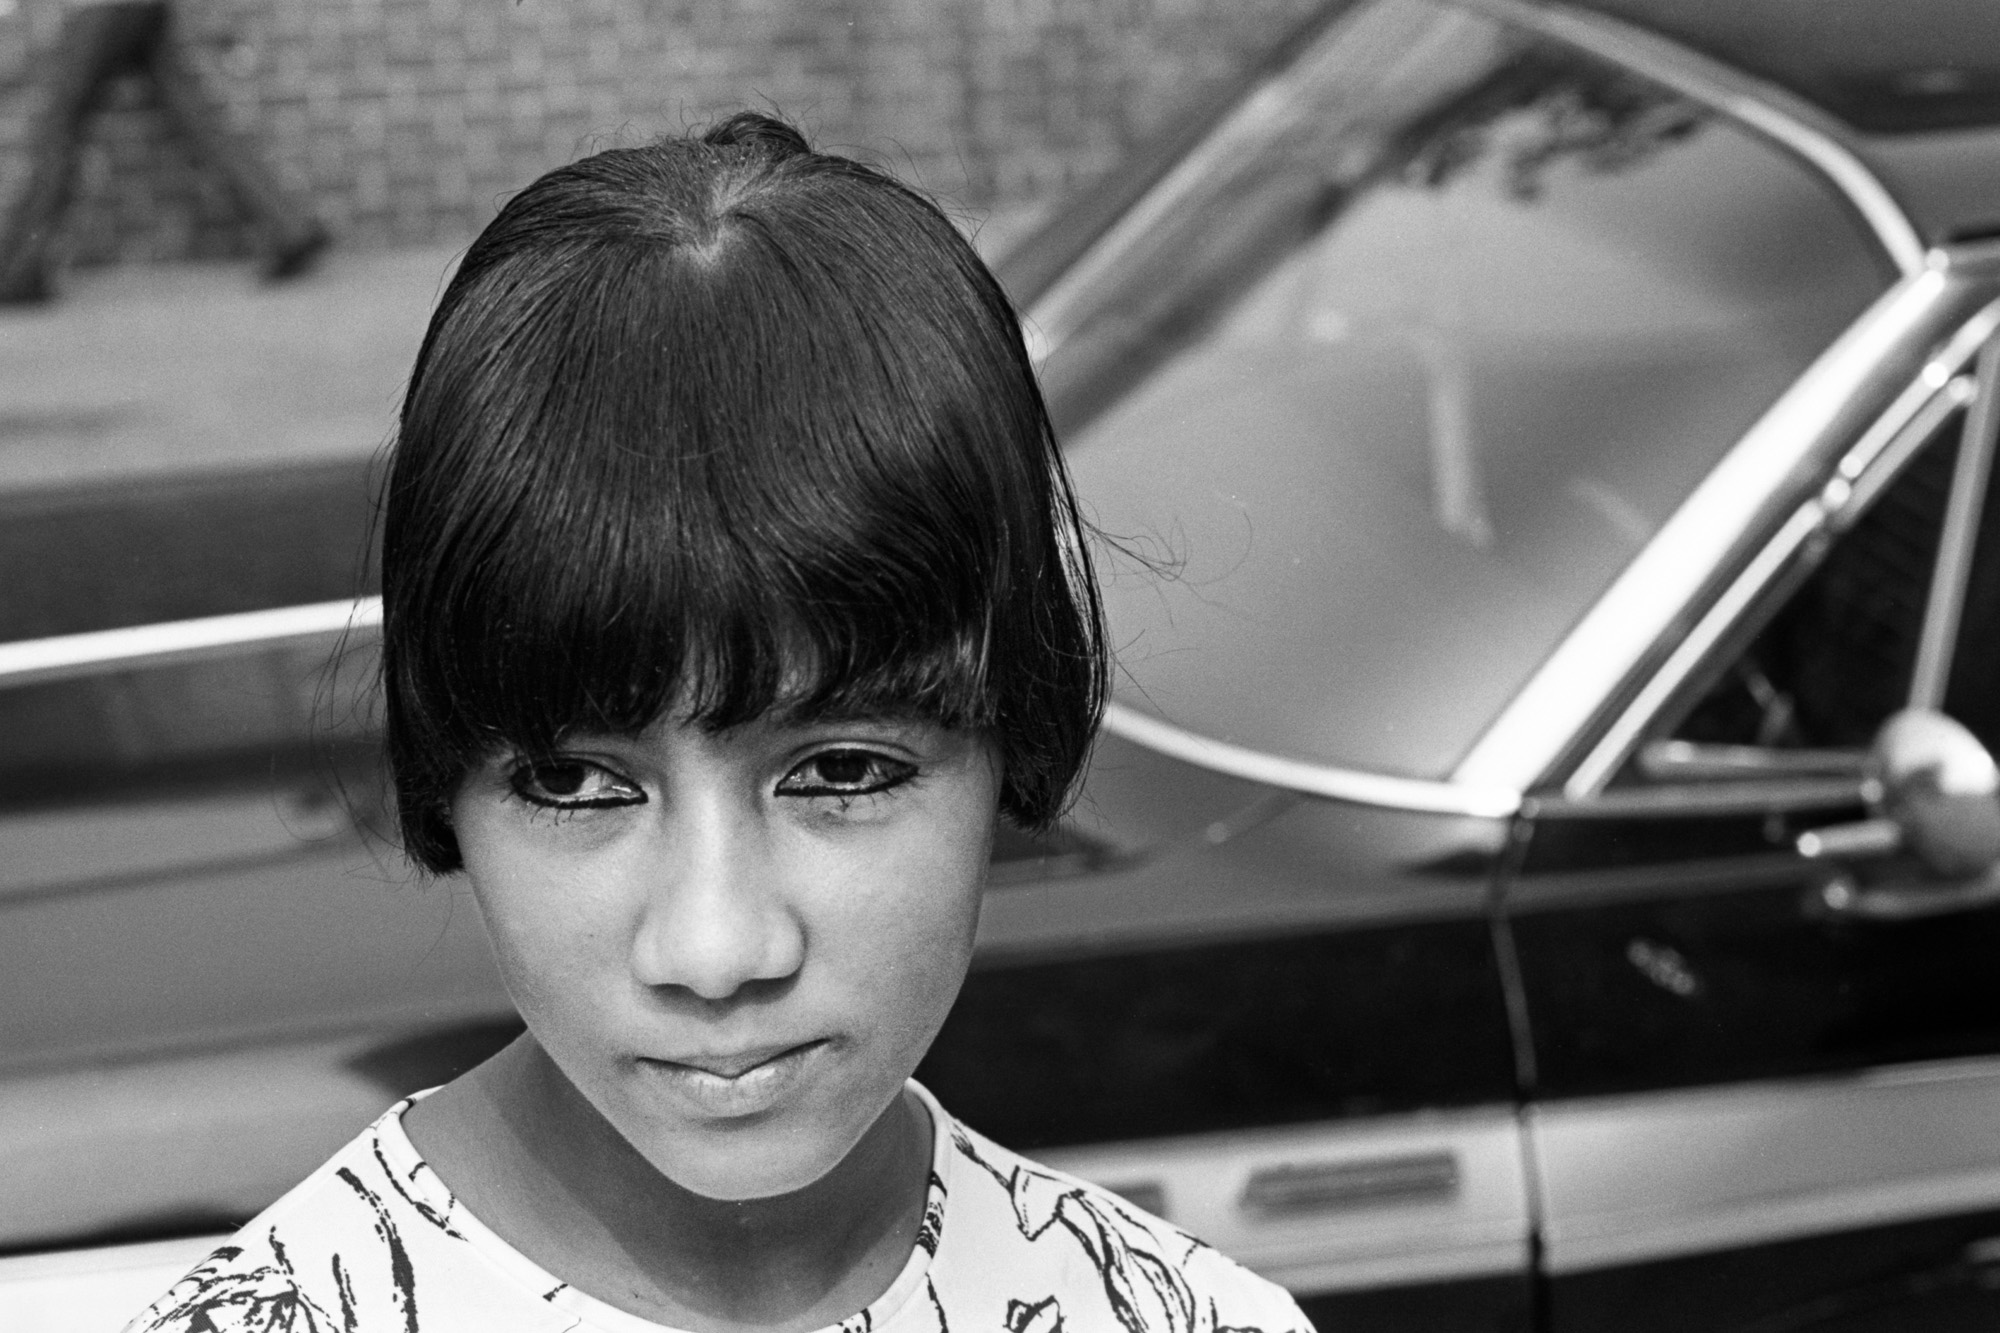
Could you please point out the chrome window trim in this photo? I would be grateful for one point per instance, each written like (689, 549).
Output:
(1645, 604)
(1736, 796)
(1771, 110)
(69, 656)
(1311, 778)
(1862, 471)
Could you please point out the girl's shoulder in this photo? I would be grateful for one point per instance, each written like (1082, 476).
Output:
(1062, 1252)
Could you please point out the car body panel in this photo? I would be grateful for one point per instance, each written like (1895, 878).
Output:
(1200, 1011)
(1774, 1161)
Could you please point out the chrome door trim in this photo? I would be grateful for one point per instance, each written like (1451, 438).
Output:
(1713, 797)
(68, 656)
(1454, 1200)
(1766, 107)
(1644, 610)
(1294, 1189)
(1313, 779)
(1630, 1179)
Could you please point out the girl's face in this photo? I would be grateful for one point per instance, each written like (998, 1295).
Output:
(736, 946)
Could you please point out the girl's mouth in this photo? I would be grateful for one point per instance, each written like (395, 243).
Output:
(736, 1083)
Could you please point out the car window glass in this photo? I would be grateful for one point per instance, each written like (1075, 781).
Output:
(1395, 376)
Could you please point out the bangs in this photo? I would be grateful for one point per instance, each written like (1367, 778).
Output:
(721, 429)
(713, 513)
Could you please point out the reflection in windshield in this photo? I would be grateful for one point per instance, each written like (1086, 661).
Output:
(1387, 381)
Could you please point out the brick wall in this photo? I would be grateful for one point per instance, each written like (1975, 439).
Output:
(405, 120)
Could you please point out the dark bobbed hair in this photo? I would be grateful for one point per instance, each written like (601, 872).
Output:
(727, 426)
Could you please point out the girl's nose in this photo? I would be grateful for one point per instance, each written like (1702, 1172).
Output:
(717, 917)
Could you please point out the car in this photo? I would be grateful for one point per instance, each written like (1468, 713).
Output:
(1538, 870)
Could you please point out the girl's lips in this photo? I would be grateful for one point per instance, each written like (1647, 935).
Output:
(735, 1064)
(736, 1083)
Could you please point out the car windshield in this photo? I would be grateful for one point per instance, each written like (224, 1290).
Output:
(1381, 386)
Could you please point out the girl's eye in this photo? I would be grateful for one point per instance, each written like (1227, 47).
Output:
(572, 784)
(846, 773)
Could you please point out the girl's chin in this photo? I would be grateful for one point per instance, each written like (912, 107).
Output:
(742, 1171)
(782, 1154)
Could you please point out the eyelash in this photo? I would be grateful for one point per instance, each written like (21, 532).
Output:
(526, 774)
(889, 774)
(886, 774)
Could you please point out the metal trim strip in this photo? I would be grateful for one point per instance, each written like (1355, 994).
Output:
(68, 656)
(1632, 1179)
(1763, 106)
(1314, 779)
(1719, 797)
(1480, 1227)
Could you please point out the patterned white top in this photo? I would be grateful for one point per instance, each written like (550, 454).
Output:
(373, 1242)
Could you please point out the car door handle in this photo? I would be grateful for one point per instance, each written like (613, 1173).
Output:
(1294, 1190)
(1842, 897)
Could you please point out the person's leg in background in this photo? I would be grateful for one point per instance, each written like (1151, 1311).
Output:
(293, 236)
(99, 43)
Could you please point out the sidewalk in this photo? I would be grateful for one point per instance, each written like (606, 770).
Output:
(147, 370)
(136, 371)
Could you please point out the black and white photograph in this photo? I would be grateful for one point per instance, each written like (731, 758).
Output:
(999, 666)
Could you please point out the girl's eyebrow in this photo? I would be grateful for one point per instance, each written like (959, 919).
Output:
(852, 717)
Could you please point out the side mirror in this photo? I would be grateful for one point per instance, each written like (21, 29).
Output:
(1942, 789)
(1934, 791)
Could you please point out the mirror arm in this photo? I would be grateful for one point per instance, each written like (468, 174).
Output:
(1842, 897)
(1932, 676)
(1847, 842)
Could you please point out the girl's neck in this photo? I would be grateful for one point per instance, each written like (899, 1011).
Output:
(532, 1158)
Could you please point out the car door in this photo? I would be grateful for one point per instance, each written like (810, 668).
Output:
(1764, 1077)
(1274, 1018)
